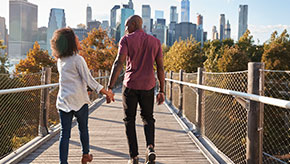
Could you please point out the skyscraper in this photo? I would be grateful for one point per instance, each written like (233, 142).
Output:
(159, 14)
(126, 12)
(22, 27)
(199, 32)
(56, 21)
(89, 14)
(3, 32)
(131, 5)
(222, 27)
(105, 25)
(185, 11)
(113, 20)
(243, 20)
(173, 14)
(214, 33)
(146, 16)
(228, 30)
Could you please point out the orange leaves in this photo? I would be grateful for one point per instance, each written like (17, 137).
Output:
(98, 50)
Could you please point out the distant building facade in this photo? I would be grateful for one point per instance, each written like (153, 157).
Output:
(173, 14)
(82, 33)
(3, 33)
(42, 37)
(228, 30)
(22, 27)
(113, 20)
(184, 30)
(159, 14)
(222, 27)
(89, 14)
(214, 33)
(126, 12)
(146, 16)
(93, 24)
(199, 32)
(56, 21)
(243, 20)
(185, 11)
(159, 30)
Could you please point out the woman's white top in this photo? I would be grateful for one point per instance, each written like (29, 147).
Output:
(74, 77)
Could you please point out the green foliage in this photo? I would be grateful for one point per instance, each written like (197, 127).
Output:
(98, 50)
(3, 58)
(277, 52)
(186, 55)
(35, 60)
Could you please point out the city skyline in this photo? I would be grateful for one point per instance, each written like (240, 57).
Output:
(264, 17)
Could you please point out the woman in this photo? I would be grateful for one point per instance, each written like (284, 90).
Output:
(73, 99)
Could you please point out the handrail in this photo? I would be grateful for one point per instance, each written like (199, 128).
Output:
(262, 99)
(24, 89)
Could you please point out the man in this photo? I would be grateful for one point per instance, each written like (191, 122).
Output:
(140, 51)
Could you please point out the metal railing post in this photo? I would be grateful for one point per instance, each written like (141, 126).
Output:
(180, 105)
(199, 113)
(165, 86)
(254, 151)
(44, 102)
(170, 87)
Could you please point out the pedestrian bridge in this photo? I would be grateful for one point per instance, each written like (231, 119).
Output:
(207, 118)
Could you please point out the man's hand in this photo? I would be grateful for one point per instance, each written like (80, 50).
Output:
(110, 96)
(160, 98)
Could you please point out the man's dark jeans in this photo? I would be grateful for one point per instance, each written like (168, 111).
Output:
(145, 98)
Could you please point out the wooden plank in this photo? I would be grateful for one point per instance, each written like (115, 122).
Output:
(108, 142)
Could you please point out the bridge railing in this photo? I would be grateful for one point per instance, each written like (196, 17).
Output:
(27, 106)
(245, 115)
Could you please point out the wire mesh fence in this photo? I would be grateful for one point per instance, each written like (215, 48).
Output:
(225, 120)
(276, 138)
(19, 112)
(189, 97)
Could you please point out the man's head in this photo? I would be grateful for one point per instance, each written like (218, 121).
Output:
(133, 23)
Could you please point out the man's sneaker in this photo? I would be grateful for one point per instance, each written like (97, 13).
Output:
(133, 161)
(150, 156)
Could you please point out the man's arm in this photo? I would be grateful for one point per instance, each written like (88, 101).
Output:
(161, 78)
(116, 70)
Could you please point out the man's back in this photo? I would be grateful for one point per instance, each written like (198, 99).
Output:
(142, 50)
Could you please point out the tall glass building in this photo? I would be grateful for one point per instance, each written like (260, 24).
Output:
(56, 21)
(173, 14)
(243, 20)
(22, 28)
(126, 12)
(146, 16)
(185, 11)
(89, 14)
(222, 26)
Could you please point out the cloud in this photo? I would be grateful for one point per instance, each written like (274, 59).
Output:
(263, 32)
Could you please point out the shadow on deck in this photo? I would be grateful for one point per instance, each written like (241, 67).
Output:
(108, 142)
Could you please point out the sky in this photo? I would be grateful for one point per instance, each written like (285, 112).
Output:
(264, 16)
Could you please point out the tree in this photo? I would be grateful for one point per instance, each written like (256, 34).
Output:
(3, 58)
(186, 55)
(277, 52)
(98, 50)
(233, 60)
(35, 60)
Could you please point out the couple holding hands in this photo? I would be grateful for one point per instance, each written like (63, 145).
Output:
(140, 51)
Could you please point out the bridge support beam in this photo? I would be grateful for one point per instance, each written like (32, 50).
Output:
(254, 151)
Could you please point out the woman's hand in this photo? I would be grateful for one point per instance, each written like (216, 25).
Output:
(109, 95)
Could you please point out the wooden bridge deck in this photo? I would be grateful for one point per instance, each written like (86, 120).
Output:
(109, 145)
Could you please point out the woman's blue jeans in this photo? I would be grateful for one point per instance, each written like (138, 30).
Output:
(66, 122)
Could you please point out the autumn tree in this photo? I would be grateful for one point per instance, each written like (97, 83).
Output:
(233, 60)
(35, 60)
(186, 55)
(98, 50)
(276, 54)
(3, 58)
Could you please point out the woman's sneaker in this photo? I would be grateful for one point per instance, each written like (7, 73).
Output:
(133, 161)
(150, 156)
(87, 158)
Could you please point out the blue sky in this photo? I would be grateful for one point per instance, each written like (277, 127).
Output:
(265, 16)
